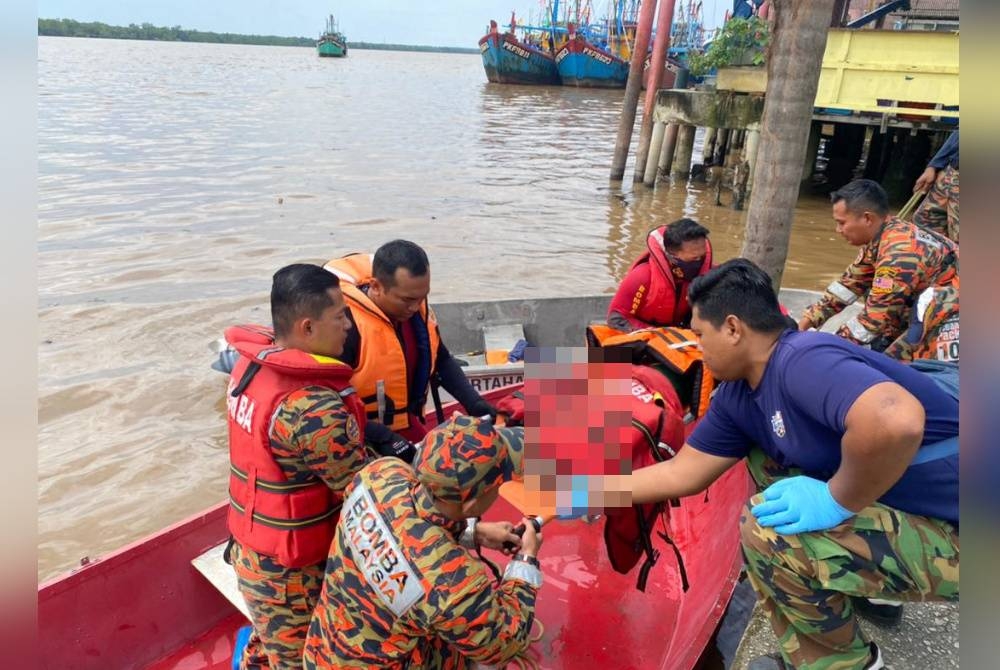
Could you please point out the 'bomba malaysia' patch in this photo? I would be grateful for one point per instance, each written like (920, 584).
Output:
(378, 556)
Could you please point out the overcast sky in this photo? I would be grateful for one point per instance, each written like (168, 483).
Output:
(432, 22)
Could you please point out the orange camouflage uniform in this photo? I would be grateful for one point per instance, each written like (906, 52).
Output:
(309, 439)
(900, 262)
(939, 210)
(934, 328)
(401, 592)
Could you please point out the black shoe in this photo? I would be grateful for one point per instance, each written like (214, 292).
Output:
(775, 662)
(880, 612)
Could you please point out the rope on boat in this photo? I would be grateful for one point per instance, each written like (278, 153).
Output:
(523, 661)
(910, 206)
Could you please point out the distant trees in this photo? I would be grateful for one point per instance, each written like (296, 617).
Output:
(147, 31)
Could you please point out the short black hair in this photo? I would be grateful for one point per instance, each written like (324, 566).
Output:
(681, 231)
(299, 290)
(740, 288)
(861, 195)
(398, 254)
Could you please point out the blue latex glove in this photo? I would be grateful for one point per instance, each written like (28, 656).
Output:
(799, 505)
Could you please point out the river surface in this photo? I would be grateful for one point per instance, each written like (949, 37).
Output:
(175, 178)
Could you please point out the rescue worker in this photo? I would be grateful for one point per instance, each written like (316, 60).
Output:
(896, 262)
(402, 588)
(857, 456)
(654, 291)
(395, 347)
(939, 210)
(295, 442)
(934, 327)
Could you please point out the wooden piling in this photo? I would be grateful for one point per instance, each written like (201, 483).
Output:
(632, 88)
(657, 62)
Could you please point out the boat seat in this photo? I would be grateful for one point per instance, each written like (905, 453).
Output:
(221, 575)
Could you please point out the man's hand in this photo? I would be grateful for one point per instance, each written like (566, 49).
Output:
(925, 180)
(482, 408)
(805, 323)
(399, 447)
(799, 505)
(492, 535)
(531, 541)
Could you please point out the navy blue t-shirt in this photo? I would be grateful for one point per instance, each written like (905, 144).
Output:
(797, 416)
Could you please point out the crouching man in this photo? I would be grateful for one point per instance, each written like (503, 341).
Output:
(857, 456)
(402, 588)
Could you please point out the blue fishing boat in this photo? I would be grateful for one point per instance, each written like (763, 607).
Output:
(510, 60)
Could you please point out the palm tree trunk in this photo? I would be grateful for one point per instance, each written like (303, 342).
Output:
(798, 39)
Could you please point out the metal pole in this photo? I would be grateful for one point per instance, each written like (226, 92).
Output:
(632, 87)
(656, 64)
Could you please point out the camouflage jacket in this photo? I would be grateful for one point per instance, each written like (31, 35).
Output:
(398, 585)
(934, 328)
(889, 273)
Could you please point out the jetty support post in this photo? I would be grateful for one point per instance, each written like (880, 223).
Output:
(685, 147)
(632, 89)
(667, 151)
(657, 62)
(652, 159)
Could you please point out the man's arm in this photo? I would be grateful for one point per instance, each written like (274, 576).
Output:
(629, 297)
(885, 427)
(690, 471)
(314, 425)
(853, 284)
(896, 272)
(454, 381)
(489, 626)
(946, 155)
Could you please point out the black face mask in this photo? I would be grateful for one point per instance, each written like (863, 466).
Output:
(686, 270)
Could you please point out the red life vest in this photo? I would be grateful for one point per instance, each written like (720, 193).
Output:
(666, 302)
(291, 521)
(657, 434)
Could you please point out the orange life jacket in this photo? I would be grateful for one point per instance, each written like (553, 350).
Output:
(674, 348)
(381, 361)
(291, 521)
(666, 301)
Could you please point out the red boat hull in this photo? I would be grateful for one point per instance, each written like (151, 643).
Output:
(145, 606)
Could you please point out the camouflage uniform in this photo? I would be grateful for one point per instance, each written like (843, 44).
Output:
(308, 437)
(890, 272)
(939, 210)
(934, 328)
(400, 590)
(804, 580)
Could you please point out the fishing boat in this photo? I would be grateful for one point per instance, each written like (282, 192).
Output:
(589, 60)
(332, 43)
(168, 602)
(529, 59)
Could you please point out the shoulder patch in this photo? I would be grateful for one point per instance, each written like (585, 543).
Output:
(884, 280)
(377, 555)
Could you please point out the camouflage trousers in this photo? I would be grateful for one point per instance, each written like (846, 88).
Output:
(804, 581)
(939, 210)
(281, 602)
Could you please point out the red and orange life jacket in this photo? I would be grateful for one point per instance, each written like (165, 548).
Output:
(676, 349)
(666, 301)
(381, 360)
(291, 521)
